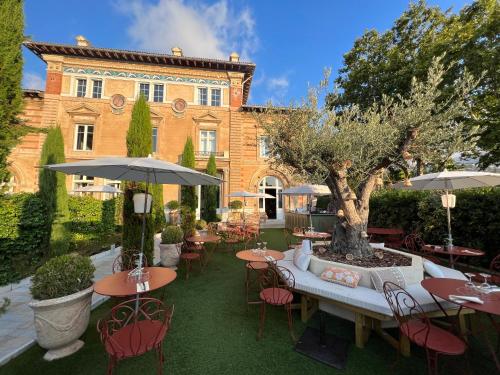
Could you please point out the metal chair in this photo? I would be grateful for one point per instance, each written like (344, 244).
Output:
(190, 252)
(133, 328)
(414, 243)
(278, 284)
(414, 324)
(127, 262)
(288, 239)
(254, 277)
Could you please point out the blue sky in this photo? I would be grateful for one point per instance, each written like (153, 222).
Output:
(290, 41)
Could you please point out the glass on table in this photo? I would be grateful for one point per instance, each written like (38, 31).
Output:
(485, 285)
(469, 283)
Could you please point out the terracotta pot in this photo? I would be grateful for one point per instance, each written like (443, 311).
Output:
(59, 322)
(169, 255)
(139, 203)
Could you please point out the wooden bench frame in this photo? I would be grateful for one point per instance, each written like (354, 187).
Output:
(366, 321)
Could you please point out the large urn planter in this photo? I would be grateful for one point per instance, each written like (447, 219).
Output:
(169, 254)
(139, 199)
(59, 323)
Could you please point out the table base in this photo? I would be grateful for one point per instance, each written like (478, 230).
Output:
(333, 351)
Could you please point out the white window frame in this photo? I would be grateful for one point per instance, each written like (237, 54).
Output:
(81, 182)
(84, 137)
(204, 141)
(94, 80)
(153, 92)
(209, 96)
(152, 137)
(262, 139)
(151, 84)
(139, 90)
(86, 86)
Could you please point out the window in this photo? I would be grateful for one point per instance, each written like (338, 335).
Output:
(80, 181)
(207, 142)
(203, 96)
(154, 142)
(215, 98)
(264, 146)
(81, 88)
(84, 137)
(144, 90)
(97, 88)
(158, 93)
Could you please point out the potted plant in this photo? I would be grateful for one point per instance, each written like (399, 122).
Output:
(139, 199)
(62, 290)
(173, 212)
(171, 239)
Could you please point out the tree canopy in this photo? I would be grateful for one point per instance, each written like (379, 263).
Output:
(211, 191)
(188, 193)
(385, 63)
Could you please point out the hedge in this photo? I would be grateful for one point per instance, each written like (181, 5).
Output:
(475, 221)
(24, 235)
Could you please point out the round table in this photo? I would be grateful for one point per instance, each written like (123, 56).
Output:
(455, 252)
(312, 235)
(249, 256)
(443, 287)
(118, 284)
(204, 238)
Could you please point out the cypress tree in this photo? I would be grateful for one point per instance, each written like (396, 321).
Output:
(211, 191)
(53, 191)
(139, 142)
(11, 67)
(188, 193)
(158, 209)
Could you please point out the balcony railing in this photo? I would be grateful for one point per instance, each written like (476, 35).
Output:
(206, 154)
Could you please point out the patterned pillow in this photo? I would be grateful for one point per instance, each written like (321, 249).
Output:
(392, 274)
(341, 276)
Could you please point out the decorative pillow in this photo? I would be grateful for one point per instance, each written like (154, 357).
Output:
(341, 276)
(392, 274)
(302, 255)
(432, 268)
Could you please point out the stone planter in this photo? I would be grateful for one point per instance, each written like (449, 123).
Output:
(169, 255)
(413, 274)
(59, 322)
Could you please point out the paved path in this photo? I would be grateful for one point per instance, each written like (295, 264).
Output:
(17, 331)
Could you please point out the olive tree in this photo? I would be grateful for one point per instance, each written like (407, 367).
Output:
(349, 150)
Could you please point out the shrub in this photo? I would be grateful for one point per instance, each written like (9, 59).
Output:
(201, 224)
(157, 210)
(62, 276)
(210, 193)
(24, 235)
(188, 193)
(236, 205)
(172, 235)
(188, 220)
(173, 205)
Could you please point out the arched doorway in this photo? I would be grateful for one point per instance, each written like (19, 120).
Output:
(273, 207)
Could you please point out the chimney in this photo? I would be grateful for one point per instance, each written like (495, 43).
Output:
(81, 41)
(176, 51)
(234, 57)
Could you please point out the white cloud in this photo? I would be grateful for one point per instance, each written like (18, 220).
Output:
(211, 31)
(277, 88)
(33, 81)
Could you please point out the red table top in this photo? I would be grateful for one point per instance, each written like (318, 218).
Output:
(385, 231)
(456, 250)
(312, 235)
(249, 256)
(443, 287)
(204, 238)
(118, 285)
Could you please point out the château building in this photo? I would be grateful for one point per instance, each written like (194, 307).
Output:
(90, 93)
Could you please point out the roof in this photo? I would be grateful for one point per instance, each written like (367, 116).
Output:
(248, 68)
(33, 93)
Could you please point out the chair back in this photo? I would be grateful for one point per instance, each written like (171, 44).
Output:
(277, 279)
(134, 327)
(414, 243)
(495, 264)
(127, 262)
(407, 309)
(212, 228)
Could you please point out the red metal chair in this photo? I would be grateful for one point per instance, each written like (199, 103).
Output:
(130, 332)
(191, 252)
(414, 243)
(414, 324)
(494, 276)
(288, 240)
(127, 262)
(278, 284)
(255, 275)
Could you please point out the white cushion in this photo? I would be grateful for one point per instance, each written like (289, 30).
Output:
(361, 296)
(392, 274)
(432, 268)
(302, 255)
(450, 273)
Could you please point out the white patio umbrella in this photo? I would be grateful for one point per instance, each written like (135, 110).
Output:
(246, 194)
(451, 180)
(147, 170)
(310, 191)
(98, 189)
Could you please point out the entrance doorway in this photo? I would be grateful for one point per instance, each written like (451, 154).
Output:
(273, 207)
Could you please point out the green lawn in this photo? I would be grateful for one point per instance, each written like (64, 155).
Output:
(212, 333)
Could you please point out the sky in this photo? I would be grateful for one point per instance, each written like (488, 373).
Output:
(291, 42)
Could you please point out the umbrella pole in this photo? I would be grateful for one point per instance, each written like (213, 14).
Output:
(309, 198)
(141, 255)
(448, 213)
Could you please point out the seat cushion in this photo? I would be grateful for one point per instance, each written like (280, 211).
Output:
(432, 268)
(136, 338)
(276, 296)
(437, 339)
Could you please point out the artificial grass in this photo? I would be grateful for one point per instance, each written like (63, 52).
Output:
(212, 333)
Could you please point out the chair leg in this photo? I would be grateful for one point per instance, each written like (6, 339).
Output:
(432, 362)
(111, 365)
(262, 319)
(159, 352)
(288, 308)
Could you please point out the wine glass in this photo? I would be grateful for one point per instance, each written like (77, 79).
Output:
(469, 283)
(265, 246)
(485, 285)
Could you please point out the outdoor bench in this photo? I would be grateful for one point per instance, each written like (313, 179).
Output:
(366, 307)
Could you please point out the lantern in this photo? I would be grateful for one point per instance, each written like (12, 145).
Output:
(448, 200)
(139, 200)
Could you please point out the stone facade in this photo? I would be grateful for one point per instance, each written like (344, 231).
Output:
(237, 135)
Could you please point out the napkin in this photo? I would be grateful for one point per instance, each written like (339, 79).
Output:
(269, 258)
(142, 287)
(468, 252)
(462, 299)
